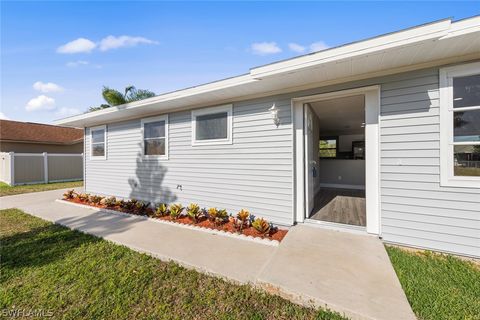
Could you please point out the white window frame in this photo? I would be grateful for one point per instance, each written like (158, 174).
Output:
(104, 128)
(447, 177)
(201, 112)
(155, 119)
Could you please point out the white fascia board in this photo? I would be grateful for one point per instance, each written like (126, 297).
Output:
(430, 31)
(463, 27)
(201, 89)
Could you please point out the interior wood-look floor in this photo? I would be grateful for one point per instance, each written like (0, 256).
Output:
(345, 206)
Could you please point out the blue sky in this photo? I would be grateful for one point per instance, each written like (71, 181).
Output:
(48, 73)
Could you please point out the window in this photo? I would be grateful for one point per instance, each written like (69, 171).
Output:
(460, 125)
(155, 137)
(98, 142)
(212, 125)
(328, 147)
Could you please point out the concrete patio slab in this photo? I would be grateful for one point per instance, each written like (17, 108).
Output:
(346, 272)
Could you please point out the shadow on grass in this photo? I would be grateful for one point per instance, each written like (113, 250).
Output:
(39, 246)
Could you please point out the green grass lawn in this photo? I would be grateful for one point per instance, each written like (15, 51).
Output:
(74, 275)
(6, 190)
(438, 286)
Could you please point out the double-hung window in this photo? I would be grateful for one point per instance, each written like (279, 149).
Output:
(98, 145)
(155, 137)
(460, 125)
(212, 125)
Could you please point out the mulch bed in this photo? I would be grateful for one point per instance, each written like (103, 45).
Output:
(275, 233)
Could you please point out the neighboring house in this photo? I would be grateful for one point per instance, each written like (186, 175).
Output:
(379, 136)
(27, 137)
(39, 153)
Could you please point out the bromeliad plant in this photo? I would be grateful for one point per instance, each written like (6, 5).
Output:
(261, 226)
(109, 202)
(141, 207)
(217, 216)
(242, 220)
(83, 197)
(175, 210)
(162, 210)
(70, 194)
(95, 199)
(194, 212)
(129, 205)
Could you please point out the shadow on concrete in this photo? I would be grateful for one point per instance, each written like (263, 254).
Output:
(101, 224)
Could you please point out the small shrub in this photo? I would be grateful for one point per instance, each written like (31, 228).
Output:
(95, 199)
(70, 194)
(237, 224)
(110, 202)
(83, 196)
(222, 216)
(217, 216)
(212, 214)
(261, 226)
(162, 210)
(194, 212)
(141, 207)
(129, 204)
(175, 210)
(242, 220)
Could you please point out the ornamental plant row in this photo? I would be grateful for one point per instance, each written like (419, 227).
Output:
(213, 218)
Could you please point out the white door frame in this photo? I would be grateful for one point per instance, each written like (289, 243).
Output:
(372, 156)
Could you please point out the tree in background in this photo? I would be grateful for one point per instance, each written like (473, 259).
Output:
(114, 97)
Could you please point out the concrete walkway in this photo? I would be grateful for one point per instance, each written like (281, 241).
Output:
(347, 273)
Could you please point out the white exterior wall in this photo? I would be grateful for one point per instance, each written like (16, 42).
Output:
(256, 171)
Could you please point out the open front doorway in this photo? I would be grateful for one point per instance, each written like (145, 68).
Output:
(340, 157)
(336, 141)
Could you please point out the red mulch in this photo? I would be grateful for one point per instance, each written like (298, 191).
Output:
(275, 234)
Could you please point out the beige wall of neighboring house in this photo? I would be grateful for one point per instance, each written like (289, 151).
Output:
(23, 147)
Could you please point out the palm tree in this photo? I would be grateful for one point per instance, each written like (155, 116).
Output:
(114, 97)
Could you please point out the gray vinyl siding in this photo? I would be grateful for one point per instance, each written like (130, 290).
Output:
(254, 172)
(416, 210)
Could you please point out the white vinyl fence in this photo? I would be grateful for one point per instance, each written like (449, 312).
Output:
(30, 168)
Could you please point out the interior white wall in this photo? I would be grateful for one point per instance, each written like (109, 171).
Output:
(342, 173)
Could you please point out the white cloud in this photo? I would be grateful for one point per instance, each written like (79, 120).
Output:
(47, 87)
(77, 46)
(318, 46)
(42, 102)
(73, 64)
(264, 48)
(3, 116)
(112, 42)
(295, 47)
(66, 112)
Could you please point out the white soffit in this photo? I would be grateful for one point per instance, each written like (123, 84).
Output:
(437, 41)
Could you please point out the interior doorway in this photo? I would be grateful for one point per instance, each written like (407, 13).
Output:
(339, 149)
(337, 152)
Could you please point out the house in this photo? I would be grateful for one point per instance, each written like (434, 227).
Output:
(39, 153)
(28, 137)
(380, 136)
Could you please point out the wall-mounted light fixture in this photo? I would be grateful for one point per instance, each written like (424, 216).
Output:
(274, 114)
